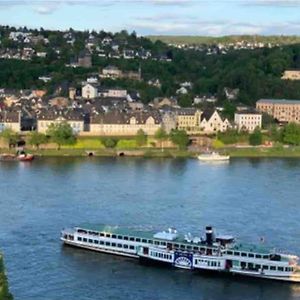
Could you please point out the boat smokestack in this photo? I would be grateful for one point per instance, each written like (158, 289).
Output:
(209, 235)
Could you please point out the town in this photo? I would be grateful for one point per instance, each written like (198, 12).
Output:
(108, 89)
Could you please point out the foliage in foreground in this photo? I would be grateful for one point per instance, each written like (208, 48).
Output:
(4, 292)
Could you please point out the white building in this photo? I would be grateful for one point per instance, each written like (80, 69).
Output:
(89, 91)
(248, 120)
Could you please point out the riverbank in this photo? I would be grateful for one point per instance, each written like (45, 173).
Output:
(247, 152)
(4, 291)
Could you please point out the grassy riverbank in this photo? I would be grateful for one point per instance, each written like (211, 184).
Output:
(4, 292)
(279, 151)
(288, 152)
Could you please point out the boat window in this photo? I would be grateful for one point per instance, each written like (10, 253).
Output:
(90, 240)
(257, 256)
(272, 268)
(163, 243)
(79, 239)
(101, 243)
(144, 241)
(125, 246)
(243, 254)
(265, 267)
(228, 252)
(113, 236)
(265, 256)
(82, 231)
(196, 248)
(108, 235)
(84, 239)
(131, 239)
(250, 255)
(237, 253)
(126, 238)
(280, 269)
(137, 239)
(176, 245)
(150, 241)
(182, 246)
(120, 237)
(188, 247)
(119, 245)
(219, 264)
(96, 241)
(107, 243)
(257, 267)
(288, 269)
(101, 234)
(131, 247)
(156, 242)
(113, 244)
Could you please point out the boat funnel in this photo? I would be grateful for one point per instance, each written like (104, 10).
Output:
(209, 235)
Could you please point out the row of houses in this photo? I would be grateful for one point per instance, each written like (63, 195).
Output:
(117, 122)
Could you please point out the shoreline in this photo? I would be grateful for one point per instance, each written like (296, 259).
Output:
(253, 152)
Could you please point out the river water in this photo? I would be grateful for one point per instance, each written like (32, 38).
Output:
(248, 198)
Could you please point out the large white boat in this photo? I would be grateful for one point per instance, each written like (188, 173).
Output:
(213, 156)
(210, 253)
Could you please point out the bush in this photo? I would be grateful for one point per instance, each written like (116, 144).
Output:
(217, 144)
(109, 142)
(255, 138)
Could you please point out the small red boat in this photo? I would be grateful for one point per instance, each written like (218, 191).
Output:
(25, 157)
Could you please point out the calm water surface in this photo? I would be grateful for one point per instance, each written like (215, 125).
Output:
(248, 198)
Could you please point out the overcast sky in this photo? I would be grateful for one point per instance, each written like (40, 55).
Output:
(171, 17)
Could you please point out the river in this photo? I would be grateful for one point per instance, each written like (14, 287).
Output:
(249, 198)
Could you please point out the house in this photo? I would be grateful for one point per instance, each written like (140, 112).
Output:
(119, 123)
(212, 122)
(10, 120)
(112, 92)
(169, 121)
(111, 72)
(51, 116)
(248, 120)
(161, 102)
(291, 75)
(282, 110)
(182, 91)
(188, 119)
(90, 91)
(85, 59)
(231, 94)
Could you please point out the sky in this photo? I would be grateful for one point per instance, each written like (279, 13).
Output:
(158, 17)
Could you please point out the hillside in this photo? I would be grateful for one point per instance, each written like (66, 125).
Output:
(256, 73)
(199, 40)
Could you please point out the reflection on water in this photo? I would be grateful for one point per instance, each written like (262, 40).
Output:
(248, 198)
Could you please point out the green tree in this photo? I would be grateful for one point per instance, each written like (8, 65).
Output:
(10, 137)
(36, 139)
(161, 136)
(291, 134)
(141, 138)
(179, 138)
(61, 134)
(255, 138)
(109, 142)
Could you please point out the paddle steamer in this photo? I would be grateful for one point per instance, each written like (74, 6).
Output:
(209, 253)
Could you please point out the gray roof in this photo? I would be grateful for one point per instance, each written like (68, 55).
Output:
(278, 101)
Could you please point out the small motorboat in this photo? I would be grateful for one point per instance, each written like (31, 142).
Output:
(213, 156)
